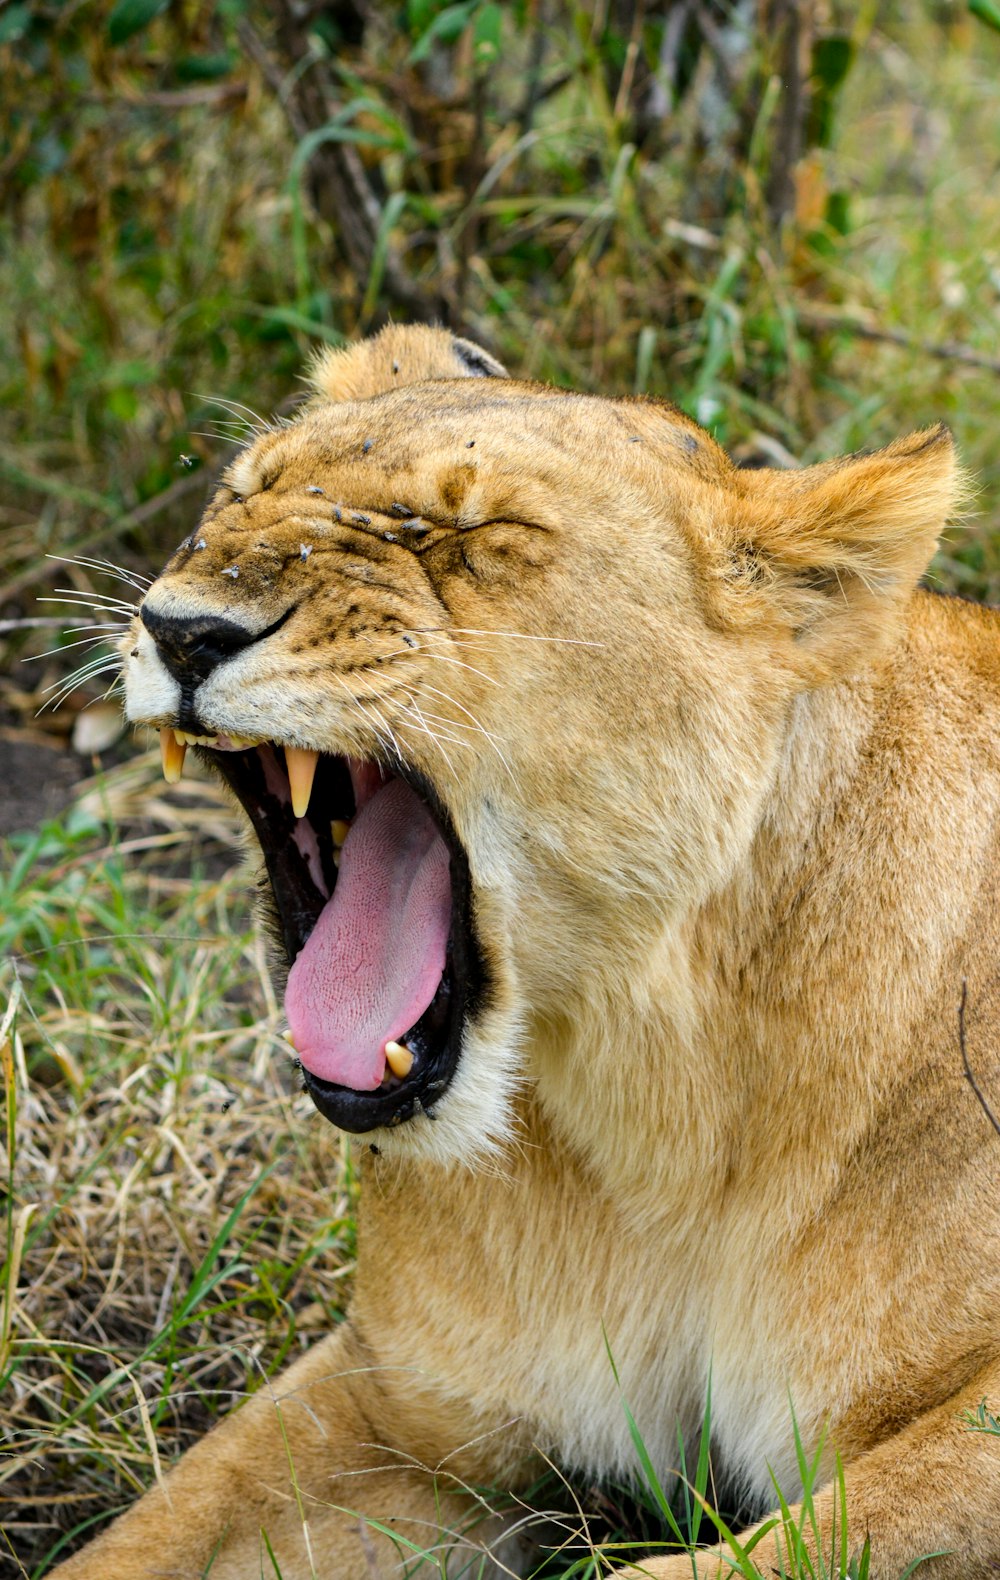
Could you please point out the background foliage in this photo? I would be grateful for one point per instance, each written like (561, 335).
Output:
(786, 217)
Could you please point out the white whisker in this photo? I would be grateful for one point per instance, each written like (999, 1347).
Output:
(385, 725)
(86, 672)
(444, 658)
(453, 724)
(117, 625)
(518, 636)
(260, 425)
(82, 671)
(238, 430)
(390, 744)
(479, 726)
(429, 732)
(85, 641)
(105, 567)
(99, 602)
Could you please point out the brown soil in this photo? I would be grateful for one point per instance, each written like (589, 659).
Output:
(38, 776)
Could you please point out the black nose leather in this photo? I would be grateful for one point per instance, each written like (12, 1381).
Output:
(191, 646)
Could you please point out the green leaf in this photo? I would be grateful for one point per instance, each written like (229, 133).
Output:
(446, 27)
(419, 16)
(925, 1558)
(486, 34)
(987, 11)
(833, 56)
(131, 16)
(204, 68)
(390, 214)
(703, 1468)
(14, 23)
(642, 1452)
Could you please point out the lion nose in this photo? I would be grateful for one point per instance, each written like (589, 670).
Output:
(191, 646)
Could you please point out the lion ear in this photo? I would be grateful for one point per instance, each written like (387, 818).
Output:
(843, 544)
(399, 354)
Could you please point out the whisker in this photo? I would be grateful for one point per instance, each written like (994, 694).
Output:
(438, 718)
(453, 724)
(85, 641)
(430, 733)
(101, 603)
(119, 681)
(259, 425)
(479, 726)
(77, 605)
(106, 567)
(476, 723)
(444, 658)
(518, 636)
(86, 672)
(390, 745)
(237, 424)
(82, 671)
(117, 625)
(385, 725)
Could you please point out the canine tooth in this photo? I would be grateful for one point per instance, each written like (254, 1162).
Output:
(301, 765)
(339, 830)
(398, 1058)
(171, 755)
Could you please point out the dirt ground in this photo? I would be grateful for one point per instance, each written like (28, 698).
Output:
(38, 777)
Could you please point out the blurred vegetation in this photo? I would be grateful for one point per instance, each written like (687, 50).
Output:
(786, 217)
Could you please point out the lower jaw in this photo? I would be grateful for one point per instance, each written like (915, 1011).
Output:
(434, 1046)
(360, 1112)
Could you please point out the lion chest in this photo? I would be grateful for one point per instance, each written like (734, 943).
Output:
(539, 1303)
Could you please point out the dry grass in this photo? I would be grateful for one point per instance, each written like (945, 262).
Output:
(178, 1218)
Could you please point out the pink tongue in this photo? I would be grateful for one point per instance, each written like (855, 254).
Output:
(373, 962)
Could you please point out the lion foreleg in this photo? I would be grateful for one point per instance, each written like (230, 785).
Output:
(302, 1482)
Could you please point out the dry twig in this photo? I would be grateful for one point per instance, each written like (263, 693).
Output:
(966, 1066)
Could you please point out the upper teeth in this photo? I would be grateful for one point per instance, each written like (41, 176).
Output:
(185, 738)
(301, 765)
(240, 742)
(172, 755)
(300, 761)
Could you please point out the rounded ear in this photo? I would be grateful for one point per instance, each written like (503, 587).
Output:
(837, 549)
(399, 354)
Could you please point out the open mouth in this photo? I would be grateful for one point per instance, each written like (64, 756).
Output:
(373, 900)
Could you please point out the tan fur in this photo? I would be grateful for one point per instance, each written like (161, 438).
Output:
(729, 784)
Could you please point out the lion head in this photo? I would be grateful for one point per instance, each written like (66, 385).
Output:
(501, 675)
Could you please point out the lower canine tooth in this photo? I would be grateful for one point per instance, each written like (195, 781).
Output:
(171, 755)
(301, 765)
(398, 1058)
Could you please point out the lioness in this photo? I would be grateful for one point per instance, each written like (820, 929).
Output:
(632, 827)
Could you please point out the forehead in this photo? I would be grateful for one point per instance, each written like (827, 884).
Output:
(491, 427)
